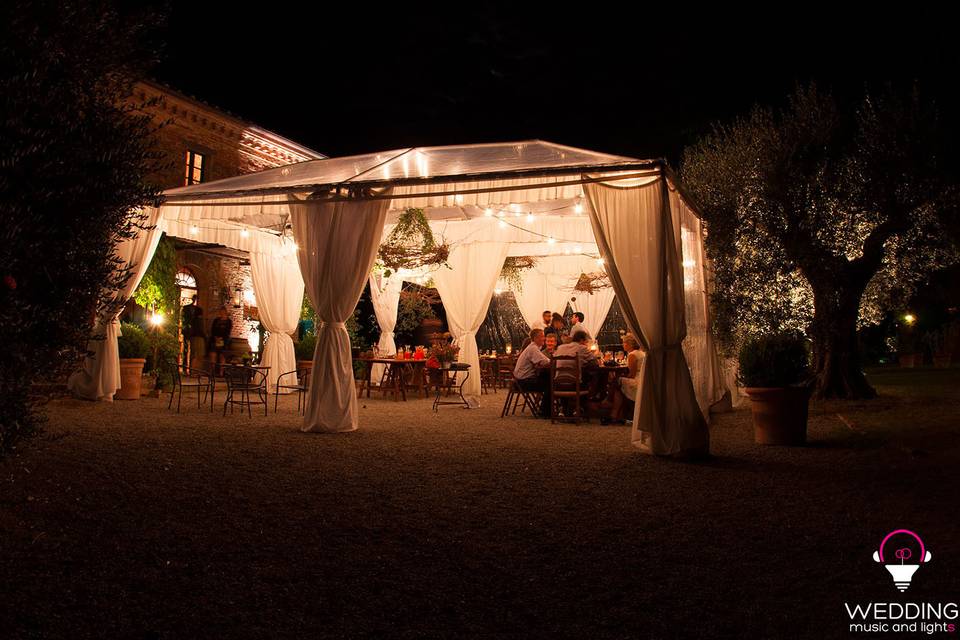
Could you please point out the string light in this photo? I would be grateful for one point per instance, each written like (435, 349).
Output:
(551, 240)
(500, 214)
(578, 208)
(194, 230)
(497, 292)
(244, 233)
(530, 218)
(517, 214)
(689, 264)
(458, 198)
(156, 319)
(578, 249)
(502, 224)
(600, 261)
(488, 212)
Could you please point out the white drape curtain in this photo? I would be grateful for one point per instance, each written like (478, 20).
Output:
(466, 288)
(278, 286)
(639, 236)
(698, 347)
(385, 295)
(547, 285)
(337, 245)
(100, 376)
(594, 306)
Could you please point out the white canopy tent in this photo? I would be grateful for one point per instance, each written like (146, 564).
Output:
(488, 202)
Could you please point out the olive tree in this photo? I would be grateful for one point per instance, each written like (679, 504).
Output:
(821, 217)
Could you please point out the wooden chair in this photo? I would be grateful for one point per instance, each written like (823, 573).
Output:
(300, 387)
(242, 382)
(197, 379)
(505, 367)
(488, 375)
(565, 385)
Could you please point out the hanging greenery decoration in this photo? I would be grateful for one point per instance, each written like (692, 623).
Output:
(513, 268)
(591, 282)
(411, 244)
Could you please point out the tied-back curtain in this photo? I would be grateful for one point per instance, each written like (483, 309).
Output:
(466, 288)
(385, 295)
(337, 245)
(100, 376)
(638, 235)
(278, 286)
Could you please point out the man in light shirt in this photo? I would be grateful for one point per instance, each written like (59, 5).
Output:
(578, 326)
(578, 347)
(531, 371)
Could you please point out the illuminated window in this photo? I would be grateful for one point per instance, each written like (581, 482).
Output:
(196, 164)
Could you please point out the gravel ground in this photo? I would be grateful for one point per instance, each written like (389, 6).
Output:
(125, 520)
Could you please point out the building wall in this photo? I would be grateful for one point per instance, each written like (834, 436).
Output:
(231, 146)
(216, 280)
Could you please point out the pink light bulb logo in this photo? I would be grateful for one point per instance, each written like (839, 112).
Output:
(902, 572)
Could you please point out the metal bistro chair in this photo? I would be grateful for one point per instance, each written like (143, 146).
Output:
(565, 385)
(190, 379)
(243, 381)
(515, 394)
(300, 387)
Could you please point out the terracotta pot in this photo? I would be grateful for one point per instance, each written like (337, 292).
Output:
(779, 414)
(131, 375)
(305, 364)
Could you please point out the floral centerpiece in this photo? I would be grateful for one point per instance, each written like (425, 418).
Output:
(441, 355)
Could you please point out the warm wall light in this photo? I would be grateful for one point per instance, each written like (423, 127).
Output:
(909, 318)
(156, 319)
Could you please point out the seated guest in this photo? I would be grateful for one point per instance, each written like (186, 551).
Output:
(578, 318)
(626, 388)
(557, 327)
(578, 347)
(549, 344)
(531, 369)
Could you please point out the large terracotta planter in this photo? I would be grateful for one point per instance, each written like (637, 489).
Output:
(779, 414)
(305, 364)
(131, 375)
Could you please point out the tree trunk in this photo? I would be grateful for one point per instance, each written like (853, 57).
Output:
(836, 355)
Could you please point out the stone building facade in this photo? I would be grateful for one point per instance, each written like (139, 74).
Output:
(202, 143)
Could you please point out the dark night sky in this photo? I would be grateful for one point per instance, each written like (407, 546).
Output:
(358, 78)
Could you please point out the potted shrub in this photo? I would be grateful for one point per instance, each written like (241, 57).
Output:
(134, 347)
(304, 350)
(775, 371)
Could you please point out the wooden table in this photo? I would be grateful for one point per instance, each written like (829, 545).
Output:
(395, 376)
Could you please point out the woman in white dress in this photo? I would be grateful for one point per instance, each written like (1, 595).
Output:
(626, 388)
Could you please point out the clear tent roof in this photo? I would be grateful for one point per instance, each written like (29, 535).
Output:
(417, 165)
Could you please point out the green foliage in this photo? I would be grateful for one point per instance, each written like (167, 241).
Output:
(306, 310)
(158, 289)
(513, 268)
(305, 348)
(411, 244)
(821, 215)
(133, 341)
(75, 164)
(779, 360)
(413, 308)
(167, 348)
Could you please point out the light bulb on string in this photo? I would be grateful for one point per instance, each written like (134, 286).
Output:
(578, 208)
(551, 240)
(500, 214)
(194, 230)
(488, 212)
(244, 233)
(600, 261)
(502, 224)
(530, 218)
(578, 249)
